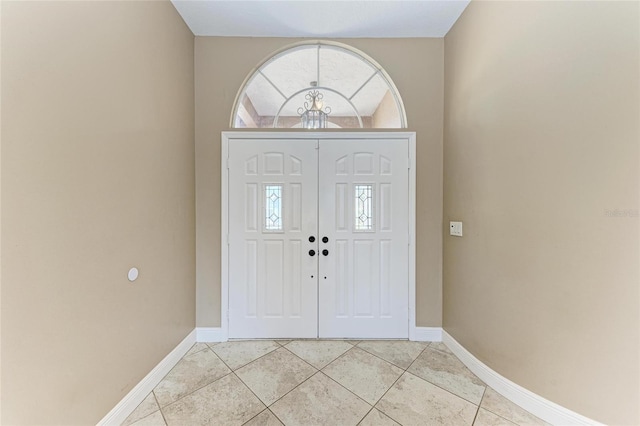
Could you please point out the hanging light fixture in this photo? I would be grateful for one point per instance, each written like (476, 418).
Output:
(312, 114)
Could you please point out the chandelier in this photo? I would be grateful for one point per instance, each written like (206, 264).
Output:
(312, 114)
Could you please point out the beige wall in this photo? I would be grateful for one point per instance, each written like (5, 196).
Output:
(386, 115)
(541, 147)
(416, 67)
(97, 176)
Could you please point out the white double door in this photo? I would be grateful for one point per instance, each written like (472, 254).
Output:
(318, 238)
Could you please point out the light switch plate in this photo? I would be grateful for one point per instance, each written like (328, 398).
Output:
(455, 229)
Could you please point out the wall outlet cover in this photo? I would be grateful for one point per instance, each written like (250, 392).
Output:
(455, 229)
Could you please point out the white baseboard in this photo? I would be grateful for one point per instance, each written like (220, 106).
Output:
(211, 334)
(425, 334)
(533, 403)
(131, 401)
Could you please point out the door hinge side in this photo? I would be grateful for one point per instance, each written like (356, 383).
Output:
(227, 163)
(227, 239)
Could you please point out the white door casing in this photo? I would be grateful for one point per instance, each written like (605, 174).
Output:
(273, 287)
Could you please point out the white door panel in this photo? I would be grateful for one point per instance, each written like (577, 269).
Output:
(272, 212)
(363, 193)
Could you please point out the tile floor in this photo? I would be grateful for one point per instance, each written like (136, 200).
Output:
(324, 382)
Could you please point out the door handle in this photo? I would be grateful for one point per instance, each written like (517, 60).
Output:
(312, 239)
(325, 252)
(325, 240)
(312, 253)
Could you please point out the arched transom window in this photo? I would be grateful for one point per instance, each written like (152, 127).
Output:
(319, 85)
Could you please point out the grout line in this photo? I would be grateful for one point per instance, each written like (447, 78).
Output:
(408, 372)
(438, 386)
(269, 405)
(221, 360)
(326, 375)
(196, 390)
(376, 356)
(301, 359)
(380, 399)
(478, 408)
(347, 389)
(262, 411)
(314, 374)
(254, 394)
(384, 360)
(274, 415)
(392, 363)
(443, 351)
(365, 416)
(294, 388)
(446, 390)
(496, 414)
(250, 362)
(260, 399)
(148, 415)
(210, 345)
(189, 354)
(319, 369)
(412, 362)
(342, 355)
(159, 408)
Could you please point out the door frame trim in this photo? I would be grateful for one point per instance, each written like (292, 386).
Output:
(229, 136)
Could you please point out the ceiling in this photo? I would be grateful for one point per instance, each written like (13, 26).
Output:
(330, 19)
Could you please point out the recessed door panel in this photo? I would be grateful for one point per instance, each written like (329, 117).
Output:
(363, 276)
(273, 278)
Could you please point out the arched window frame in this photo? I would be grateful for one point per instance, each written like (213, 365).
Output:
(303, 45)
